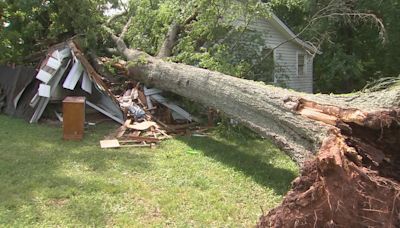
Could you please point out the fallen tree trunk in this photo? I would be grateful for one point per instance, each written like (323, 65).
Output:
(257, 106)
(348, 146)
(261, 108)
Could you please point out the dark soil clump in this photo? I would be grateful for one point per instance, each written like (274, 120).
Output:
(353, 182)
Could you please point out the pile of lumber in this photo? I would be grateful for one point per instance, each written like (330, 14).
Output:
(150, 118)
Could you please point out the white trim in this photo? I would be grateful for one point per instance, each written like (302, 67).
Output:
(44, 90)
(44, 76)
(53, 63)
(73, 76)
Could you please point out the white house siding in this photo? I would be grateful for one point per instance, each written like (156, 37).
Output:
(285, 57)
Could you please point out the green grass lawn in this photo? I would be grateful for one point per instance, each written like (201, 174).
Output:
(213, 181)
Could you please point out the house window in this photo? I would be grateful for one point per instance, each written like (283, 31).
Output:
(300, 64)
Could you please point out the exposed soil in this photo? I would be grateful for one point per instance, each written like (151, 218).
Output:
(353, 182)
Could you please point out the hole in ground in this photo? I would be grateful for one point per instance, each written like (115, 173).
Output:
(380, 149)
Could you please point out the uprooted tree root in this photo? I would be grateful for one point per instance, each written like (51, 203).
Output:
(353, 181)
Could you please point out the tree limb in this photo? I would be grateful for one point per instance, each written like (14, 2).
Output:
(169, 41)
(125, 29)
(172, 36)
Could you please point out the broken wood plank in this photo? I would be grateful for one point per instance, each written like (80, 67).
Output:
(121, 130)
(59, 116)
(108, 144)
(142, 126)
(133, 134)
(142, 98)
(164, 134)
(142, 139)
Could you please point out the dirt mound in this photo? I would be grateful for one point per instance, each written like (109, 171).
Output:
(353, 182)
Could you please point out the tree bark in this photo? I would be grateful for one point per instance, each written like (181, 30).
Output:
(348, 146)
(169, 41)
(260, 107)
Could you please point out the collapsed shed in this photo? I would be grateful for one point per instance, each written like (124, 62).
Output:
(26, 92)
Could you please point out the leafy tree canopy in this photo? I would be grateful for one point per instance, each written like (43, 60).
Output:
(31, 25)
(355, 48)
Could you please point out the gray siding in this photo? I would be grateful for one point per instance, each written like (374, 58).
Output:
(286, 57)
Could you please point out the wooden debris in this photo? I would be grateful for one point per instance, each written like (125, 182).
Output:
(107, 144)
(142, 98)
(143, 139)
(133, 134)
(142, 126)
(121, 130)
(157, 124)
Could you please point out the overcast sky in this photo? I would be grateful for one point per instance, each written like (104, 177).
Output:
(111, 12)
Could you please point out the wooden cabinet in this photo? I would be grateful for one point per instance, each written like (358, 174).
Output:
(73, 118)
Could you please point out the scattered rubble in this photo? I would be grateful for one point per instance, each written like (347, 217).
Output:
(150, 118)
(146, 117)
(63, 72)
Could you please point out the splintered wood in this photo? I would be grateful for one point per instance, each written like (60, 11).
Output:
(150, 118)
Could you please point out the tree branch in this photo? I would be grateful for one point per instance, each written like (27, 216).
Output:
(121, 45)
(125, 29)
(169, 41)
(172, 36)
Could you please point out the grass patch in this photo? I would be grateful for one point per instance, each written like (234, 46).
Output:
(188, 181)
